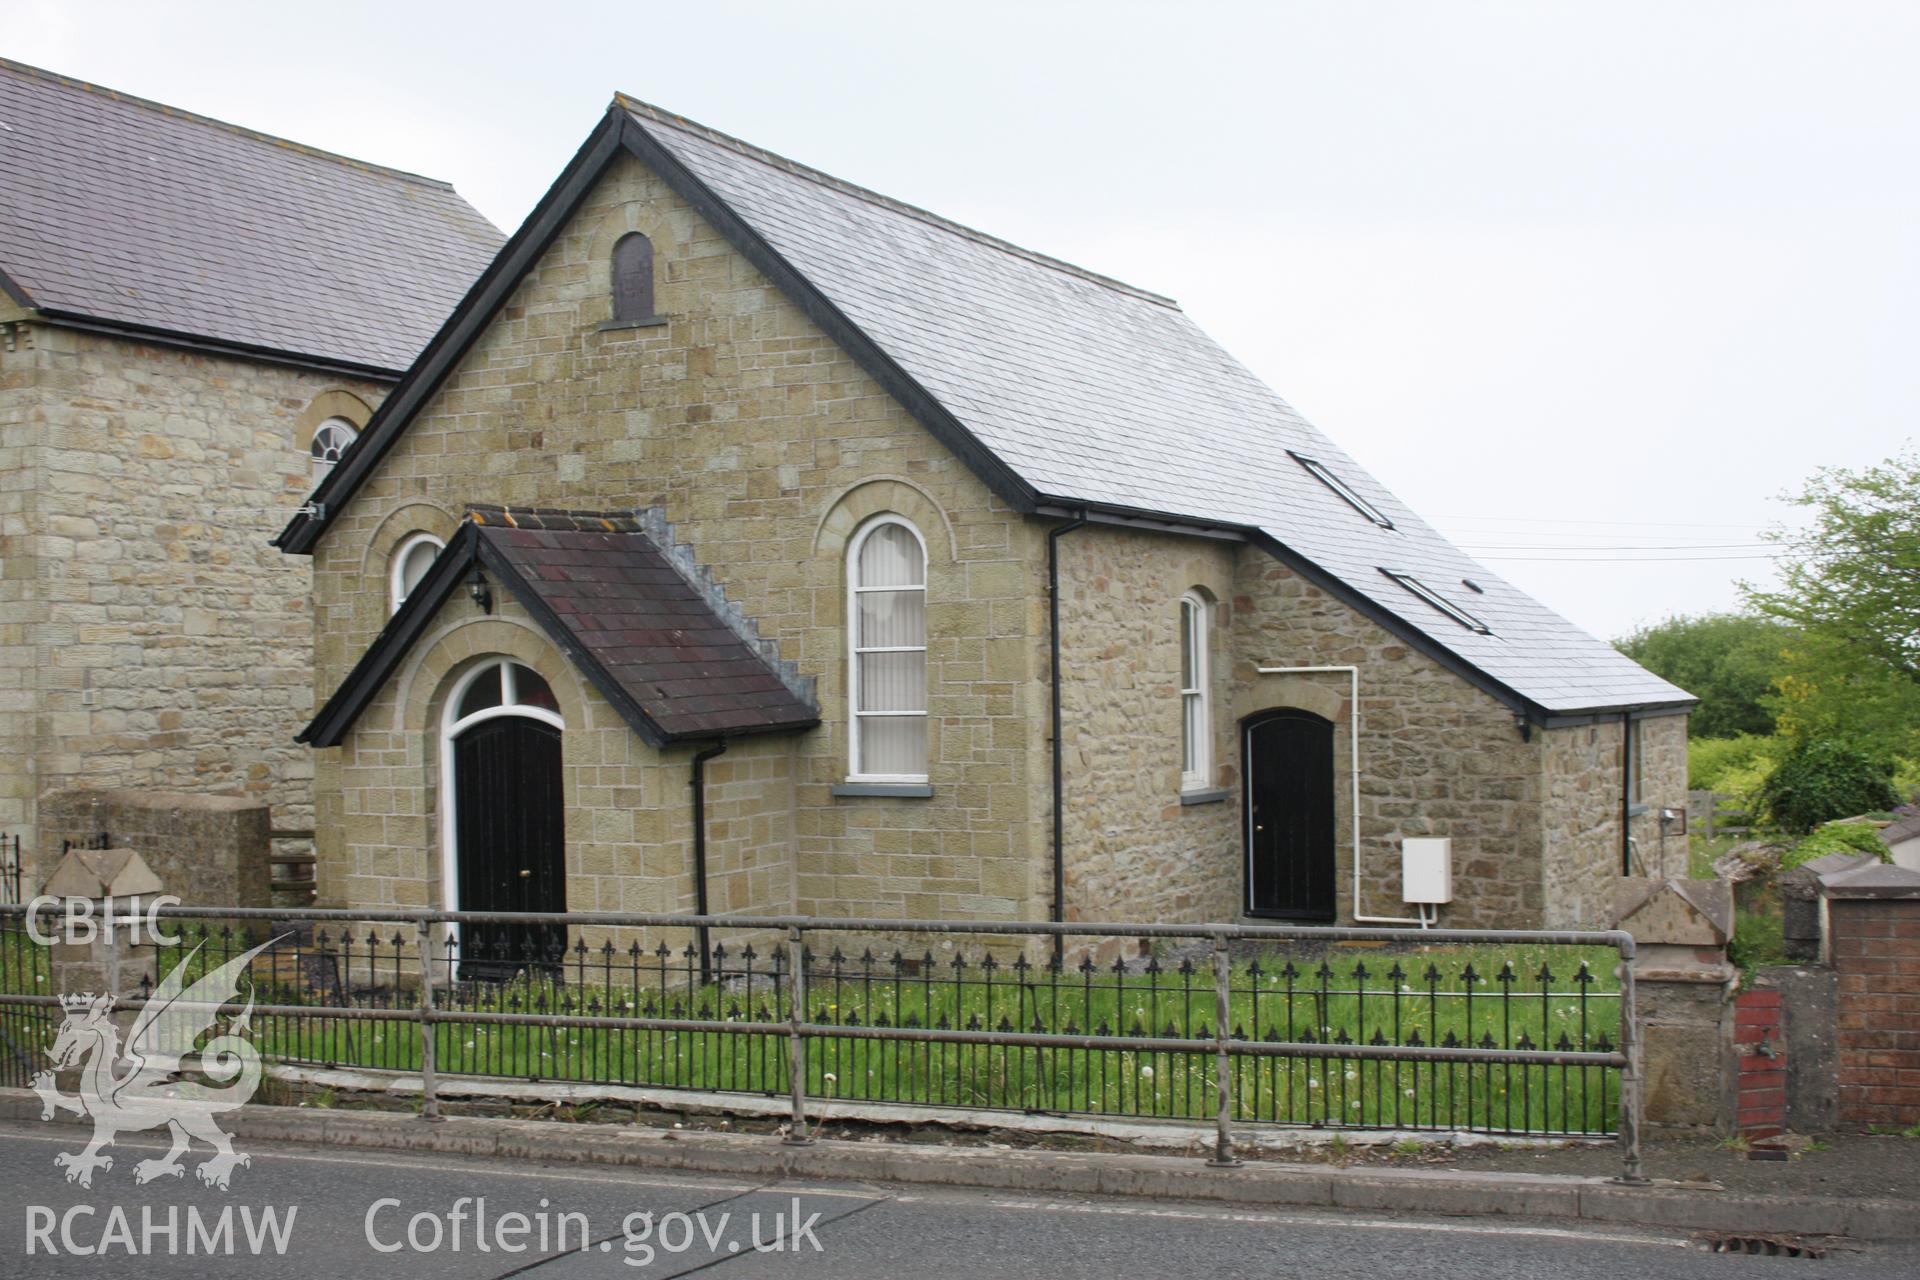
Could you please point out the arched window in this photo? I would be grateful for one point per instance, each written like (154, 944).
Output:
(330, 441)
(1196, 709)
(633, 279)
(887, 606)
(411, 560)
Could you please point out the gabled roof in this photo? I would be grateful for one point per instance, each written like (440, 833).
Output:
(120, 213)
(605, 594)
(1066, 392)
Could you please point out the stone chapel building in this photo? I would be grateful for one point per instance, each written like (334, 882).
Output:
(195, 320)
(941, 578)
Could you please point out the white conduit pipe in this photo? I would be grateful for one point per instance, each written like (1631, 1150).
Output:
(1353, 759)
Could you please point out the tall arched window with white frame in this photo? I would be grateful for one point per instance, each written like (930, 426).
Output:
(887, 630)
(1196, 706)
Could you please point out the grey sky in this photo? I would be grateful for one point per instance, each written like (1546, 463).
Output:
(1557, 273)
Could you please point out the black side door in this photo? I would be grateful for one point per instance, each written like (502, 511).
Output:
(1289, 815)
(511, 855)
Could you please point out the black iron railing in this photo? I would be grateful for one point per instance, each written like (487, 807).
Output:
(1436, 1030)
(12, 868)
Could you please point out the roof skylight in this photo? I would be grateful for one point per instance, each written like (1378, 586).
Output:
(1319, 471)
(1439, 602)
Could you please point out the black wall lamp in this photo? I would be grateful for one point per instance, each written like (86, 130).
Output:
(482, 593)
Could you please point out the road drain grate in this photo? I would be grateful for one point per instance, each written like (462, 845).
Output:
(1762, 1246)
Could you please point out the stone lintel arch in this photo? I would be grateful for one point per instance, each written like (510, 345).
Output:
(405, 517)
(859, 502)
(331, 403)
(1325, 695)
(422, 683)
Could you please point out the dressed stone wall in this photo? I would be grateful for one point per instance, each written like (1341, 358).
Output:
(766, 446)
(151, 638)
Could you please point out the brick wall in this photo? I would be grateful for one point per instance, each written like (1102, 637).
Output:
(1760, 1046)
(1874, 945)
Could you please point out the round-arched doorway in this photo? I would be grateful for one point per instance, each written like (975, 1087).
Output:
(504, 837)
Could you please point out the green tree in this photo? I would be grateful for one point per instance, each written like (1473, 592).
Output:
(1827, 689)
(1727, 660)
(1823, 780)
(1852, 575)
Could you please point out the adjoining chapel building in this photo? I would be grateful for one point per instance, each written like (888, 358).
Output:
(942, 578)
(195, 320)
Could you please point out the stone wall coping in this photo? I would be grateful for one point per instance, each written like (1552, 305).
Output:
(172, 800)
(1871, 880)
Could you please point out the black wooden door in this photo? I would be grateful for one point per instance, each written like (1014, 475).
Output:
(1289, 770)
(511, 850)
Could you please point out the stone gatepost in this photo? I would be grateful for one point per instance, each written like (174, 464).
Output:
(1683, 979)
(102, 955)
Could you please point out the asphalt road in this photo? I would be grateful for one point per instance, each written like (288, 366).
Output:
(359, 1215)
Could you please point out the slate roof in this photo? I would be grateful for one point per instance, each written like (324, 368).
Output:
(653, 643)
(141, 217)
(1096, 392)
(1066, 391)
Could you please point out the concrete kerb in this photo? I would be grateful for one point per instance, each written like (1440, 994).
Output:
(1159, 1177)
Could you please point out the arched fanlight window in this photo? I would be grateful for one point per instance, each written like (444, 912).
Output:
(1196, 711)
(887, 625)
(411, 560)
(330, 441)
(501, 686)
(633, 279)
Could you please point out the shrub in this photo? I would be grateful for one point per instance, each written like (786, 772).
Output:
(1711, 760)
(1823, 780)
(1838, 837)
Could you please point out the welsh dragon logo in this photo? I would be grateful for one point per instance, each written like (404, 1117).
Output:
(140, 1091)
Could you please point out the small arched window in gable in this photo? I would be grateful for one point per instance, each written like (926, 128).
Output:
(410, 564)
(330, 441)
(633, 280)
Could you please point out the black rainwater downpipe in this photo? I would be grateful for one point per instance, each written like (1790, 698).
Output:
(1053, 675)
(1626, 793)
(699, 784)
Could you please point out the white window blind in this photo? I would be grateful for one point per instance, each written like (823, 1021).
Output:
(1196, 719)
(888, 573)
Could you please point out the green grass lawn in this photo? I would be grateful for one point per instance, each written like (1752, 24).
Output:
(1506, 997)
(1422, 996)
(25, 1031)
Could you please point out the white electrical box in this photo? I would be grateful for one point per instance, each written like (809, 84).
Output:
(1426, 869)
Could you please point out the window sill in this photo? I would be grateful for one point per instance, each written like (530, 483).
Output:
(1638, 810)
(876, 790)
(651, 322)
(1212, 796)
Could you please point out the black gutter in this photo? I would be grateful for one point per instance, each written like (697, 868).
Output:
(201, 345)
(1626, 794)
(699, 783)
(1053, 678)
